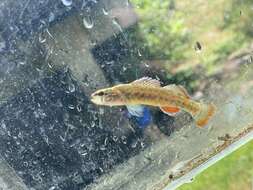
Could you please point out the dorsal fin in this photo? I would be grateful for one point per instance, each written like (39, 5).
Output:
(178, 89)
(147, 81)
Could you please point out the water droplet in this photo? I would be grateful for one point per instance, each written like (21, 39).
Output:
(124, 139)
(50, 65)
(22, 62)
(115, 138)
(142, 145)
(146, 65)
(71, 88)
(25, 164)
(88, 22)
(93, 124)
(79, 108)
(84, 153)
(102, 148)
(198, 47)
(139, 53)
(105, 11)
(67, 2)
(52, 188)
(106, 141)
(51, 17)
(41, 39)
(71, 106)
(250, 59)
(116, 23)
(134, 144)
(93, 42)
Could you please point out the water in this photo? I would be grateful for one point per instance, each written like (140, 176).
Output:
(198, 47)
(116, 23)
(88, 22)
(71, 88)
(105, 11)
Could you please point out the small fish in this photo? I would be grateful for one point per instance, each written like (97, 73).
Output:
(147, 91)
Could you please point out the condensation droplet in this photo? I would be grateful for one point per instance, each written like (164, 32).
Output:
(146, 65)
(50, 65)
(51, 17)
(52, 188)
(134, 144)
(105, 11)
(79, 108)
(115, 138)
(71, 88)
(250, 59)
(88, 22)
(93, 42)
(93, 124)
(41, 39)
(139, 53)
(142, 145)
(102, 148)
(22, 63)
(116, 23)
(198, 47)
(124, 139)
(70, 106)
(67, 2)
(106, 141)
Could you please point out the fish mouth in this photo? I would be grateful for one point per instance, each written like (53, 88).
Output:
(92, 98)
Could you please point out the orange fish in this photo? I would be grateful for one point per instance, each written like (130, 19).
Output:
(147, 91)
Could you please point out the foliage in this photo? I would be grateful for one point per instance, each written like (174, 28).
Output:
(164, 31)
(239, 16)
(232, 172)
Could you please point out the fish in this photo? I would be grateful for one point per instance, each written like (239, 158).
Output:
(171, 99)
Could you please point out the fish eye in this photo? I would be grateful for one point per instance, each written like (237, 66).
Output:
(101, 94)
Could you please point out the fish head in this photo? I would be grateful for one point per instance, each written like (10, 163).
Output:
(107, 97)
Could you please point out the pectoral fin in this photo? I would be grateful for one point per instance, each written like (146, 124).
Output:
(135, 110)
(171, 111)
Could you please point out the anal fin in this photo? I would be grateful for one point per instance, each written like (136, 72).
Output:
(171, 111)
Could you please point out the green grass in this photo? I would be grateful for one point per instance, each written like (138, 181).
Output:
(234, 172)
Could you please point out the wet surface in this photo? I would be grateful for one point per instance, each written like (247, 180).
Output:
(51, 135)
(51, 143)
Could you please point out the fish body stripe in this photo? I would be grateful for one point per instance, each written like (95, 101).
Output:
(154, 96)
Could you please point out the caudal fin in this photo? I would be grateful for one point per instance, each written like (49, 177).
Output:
(204, 114)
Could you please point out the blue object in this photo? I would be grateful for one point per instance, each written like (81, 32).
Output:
(146, 119)
(141, 115)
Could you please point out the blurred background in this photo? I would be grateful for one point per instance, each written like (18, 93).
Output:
(195, 41)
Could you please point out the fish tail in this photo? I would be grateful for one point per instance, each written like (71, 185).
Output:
(204, 114)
